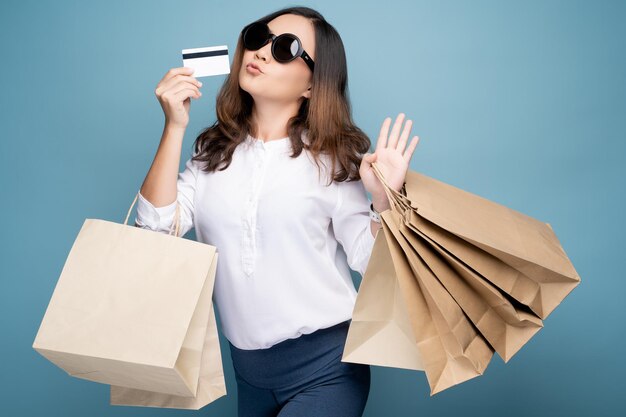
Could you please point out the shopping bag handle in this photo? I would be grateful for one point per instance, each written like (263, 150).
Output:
(395, 197)
(175, 226)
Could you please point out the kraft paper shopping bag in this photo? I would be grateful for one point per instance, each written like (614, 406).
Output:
(131, 308)
(210, 386)
(527, 245)
(381, 331)
(505, 325)
(395, 322)
(473, 277)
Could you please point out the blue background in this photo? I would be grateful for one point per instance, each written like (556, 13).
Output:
(520, 102)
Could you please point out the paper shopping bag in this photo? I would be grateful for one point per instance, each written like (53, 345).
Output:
(486, 274)
(396, 323)
(132, 308)
(210, 386)
(527, 245)
(467, 352)
(382, 331)
(505, 324)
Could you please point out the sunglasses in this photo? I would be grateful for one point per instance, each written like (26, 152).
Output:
(285, 47)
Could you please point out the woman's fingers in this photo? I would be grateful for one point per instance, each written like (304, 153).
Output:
(395, 131)
(382, 136)
(186, 93)
(184, 85)
(172, 93)
(172, 81)
(408, 153)
(175, 71)
(395, 140)
(405, 135)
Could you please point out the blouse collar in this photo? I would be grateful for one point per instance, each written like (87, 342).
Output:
(278, 144)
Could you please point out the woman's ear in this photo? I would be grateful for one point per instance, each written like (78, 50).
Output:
(307, 93)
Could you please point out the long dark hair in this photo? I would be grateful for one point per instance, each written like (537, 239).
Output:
(325, 118)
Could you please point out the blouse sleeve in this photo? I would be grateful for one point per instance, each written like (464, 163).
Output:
(161, 219)
(352, 224)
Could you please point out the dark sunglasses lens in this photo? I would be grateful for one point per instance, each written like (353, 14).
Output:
(286, 48)
(255, 36)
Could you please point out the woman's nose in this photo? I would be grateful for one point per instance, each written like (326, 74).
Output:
(265, 52)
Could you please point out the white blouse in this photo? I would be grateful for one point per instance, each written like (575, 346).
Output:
(276, 227)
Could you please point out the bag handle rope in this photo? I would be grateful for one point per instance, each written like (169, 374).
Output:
(395, 197)
(176, 224)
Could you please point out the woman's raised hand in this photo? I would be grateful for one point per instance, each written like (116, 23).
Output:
(174, 92)
(392, 158)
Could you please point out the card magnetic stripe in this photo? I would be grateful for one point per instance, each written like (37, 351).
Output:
(205, 54)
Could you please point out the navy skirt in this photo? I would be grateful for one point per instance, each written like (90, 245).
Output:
(301, 377)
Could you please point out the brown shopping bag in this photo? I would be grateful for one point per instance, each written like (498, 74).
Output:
(505, 271)
(133, 308)
(397, 323)
(535, 268)
(505, 324)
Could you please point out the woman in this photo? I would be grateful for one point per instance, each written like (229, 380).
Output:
(276, 184)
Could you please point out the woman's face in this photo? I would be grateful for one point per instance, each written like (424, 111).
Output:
(277, 81)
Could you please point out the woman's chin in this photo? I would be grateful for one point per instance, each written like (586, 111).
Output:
(248, 85)
(256, 93)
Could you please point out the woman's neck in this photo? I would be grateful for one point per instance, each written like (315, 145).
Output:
(270, 119)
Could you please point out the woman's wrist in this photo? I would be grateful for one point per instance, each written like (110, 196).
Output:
(379, 204)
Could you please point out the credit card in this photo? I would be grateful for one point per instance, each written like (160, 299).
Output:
(207, 61)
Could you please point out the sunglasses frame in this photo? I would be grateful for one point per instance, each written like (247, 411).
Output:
(272, 38)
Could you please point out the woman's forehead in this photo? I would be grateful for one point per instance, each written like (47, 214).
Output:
(299, 26)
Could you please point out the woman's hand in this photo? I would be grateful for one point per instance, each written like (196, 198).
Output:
(174, 92)
(392, 160)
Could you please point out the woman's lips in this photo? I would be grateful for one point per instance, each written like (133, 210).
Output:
(252, 69)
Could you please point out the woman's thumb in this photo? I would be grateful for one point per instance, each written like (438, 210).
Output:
(370, 157)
